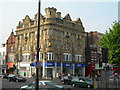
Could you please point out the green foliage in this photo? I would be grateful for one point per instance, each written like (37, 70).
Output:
(111, 40)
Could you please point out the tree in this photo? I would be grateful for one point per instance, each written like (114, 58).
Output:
(111, 40)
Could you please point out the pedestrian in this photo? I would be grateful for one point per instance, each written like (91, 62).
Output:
(96, 77)
(41, 75)
(59, 75)
(51, 76)
(78, 75)
(33, 75)
(24, 73)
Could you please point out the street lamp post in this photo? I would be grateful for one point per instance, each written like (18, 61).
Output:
(38, 49)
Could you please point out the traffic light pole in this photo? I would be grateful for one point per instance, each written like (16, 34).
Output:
(106, 75)
(105, 60)
(38, 49)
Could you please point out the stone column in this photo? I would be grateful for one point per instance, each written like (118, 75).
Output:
(43, 71)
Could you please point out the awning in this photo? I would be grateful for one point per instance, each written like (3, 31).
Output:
(33, 64)
(46, 64)
(10, 64)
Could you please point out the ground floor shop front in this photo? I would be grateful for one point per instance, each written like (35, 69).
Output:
(3, 69)
(51, 68)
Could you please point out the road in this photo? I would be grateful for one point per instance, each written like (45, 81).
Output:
(6, 85)
(112, 85)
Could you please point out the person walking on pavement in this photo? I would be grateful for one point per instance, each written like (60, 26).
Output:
(59, 76)
(51, 76)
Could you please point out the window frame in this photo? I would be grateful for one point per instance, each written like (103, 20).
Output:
(50, 56)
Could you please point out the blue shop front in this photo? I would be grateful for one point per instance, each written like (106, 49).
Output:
(55, 68)
(80, 69)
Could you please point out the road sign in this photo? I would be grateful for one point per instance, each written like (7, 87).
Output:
(97, 66)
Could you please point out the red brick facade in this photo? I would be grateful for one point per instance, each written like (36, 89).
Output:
(10, 48)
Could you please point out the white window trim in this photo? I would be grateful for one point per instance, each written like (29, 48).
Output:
(26, 54)
(50, 56)
(27, 57)
(67, 57)
(78, 58)
(70, 57)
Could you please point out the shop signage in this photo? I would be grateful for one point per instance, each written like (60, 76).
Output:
(34, 64)
(10, 64)
(97, 66)
(49, 64)
(67, 64)
(58, 64)
(79, 65)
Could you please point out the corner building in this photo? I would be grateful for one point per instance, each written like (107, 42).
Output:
(62, 45)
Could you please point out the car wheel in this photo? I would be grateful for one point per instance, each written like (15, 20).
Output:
(73, 85)
(88, 86)
(62, 82)
(17, 80)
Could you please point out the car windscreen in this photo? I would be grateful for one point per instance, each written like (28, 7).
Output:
(50, 83)
(75, 79)
(87, 79)
(11, 75)
(65, 77)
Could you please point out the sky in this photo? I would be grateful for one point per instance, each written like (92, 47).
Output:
(96, 15)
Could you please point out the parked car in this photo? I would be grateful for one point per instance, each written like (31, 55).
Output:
(3, 76)
(66, 79)
(82, 82)
(43, 85)
(16, 78)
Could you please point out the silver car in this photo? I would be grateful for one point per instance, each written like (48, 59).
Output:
(43, 85)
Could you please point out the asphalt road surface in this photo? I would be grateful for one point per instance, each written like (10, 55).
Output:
(6, 85)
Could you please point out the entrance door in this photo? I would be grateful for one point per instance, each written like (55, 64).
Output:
(49, 72)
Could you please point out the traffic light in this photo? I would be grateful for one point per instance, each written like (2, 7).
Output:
(107, 68)
(105, 55)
